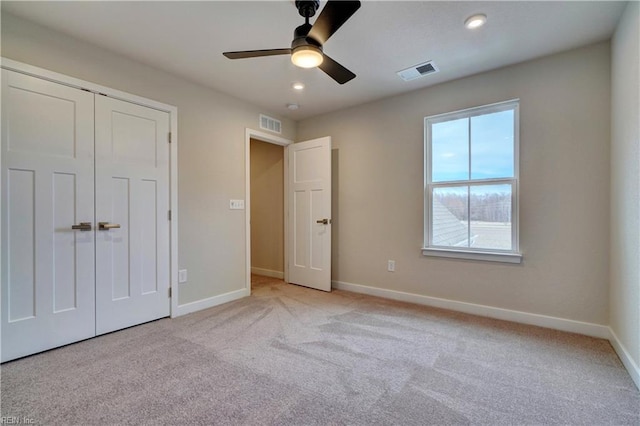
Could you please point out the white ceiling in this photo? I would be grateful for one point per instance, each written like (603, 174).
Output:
(383, 37)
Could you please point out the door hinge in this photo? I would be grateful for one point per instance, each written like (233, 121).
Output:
(169, 215)
(169, 291)
(169, 137)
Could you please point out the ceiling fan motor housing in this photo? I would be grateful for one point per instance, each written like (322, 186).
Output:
(306, 52)
(300, 37)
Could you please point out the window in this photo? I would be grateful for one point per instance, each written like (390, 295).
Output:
(471, 183)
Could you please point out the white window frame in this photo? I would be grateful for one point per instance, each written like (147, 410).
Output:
(508, 256)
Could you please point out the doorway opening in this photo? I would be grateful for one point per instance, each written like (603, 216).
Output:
(267, 209)
(266, 198)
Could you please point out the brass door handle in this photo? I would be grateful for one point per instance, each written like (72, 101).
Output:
(84, 226)
(105, 226)
(324, 221)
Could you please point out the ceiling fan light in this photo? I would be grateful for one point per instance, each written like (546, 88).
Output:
(306, 56)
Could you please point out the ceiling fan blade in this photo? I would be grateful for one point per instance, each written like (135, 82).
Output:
(256, 53)
(336, 71)
(334, 14)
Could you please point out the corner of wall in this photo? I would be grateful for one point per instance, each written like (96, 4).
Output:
(624, 284)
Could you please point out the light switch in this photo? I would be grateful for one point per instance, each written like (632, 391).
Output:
(236, 204)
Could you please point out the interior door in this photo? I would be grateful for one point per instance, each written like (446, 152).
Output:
(47, 187)
(309, 211)
(132, 205)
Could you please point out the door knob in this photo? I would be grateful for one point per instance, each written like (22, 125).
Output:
(83, 226)
(105, 226)
(324, 221)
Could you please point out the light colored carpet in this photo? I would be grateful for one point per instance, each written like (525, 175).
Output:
(291, 355)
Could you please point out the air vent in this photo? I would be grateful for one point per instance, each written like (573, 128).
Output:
(271, 124)
(418, 71)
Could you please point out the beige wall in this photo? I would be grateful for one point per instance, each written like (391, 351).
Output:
(625, 182)
(211, 162)
(267, 206)
(564, 189)
(378, 149)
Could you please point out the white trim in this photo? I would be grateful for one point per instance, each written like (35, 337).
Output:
(173, 206)
(512, 104)
(266, 137)
(473, 111)
(473, 255)
(276, 140)
(66, 80)
(588, 329)
(210, 302)
(286, 214)
(268, 273)
(625, 357)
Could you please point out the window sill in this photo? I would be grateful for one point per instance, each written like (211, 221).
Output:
(473, 255)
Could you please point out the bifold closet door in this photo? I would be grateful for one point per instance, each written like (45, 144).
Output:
(132, 205)
(85, 227)
(47, 188)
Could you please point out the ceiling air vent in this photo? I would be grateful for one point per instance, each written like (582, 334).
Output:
(418, 71)
(271, 124)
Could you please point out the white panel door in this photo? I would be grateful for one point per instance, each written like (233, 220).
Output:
(47, 187)
(309, 212)
(132, 200)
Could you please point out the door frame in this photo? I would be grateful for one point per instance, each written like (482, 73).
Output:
(97, 89)
(276, 140)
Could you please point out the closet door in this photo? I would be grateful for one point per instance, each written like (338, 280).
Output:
(132, 202)
(47, 188)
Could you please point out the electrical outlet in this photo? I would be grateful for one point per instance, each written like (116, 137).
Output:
(391, 265)
(182, 275)
(236, 204)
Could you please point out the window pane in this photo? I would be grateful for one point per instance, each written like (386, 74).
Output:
(450, 150)
(491, 216)
(449, 217)
(492, 145)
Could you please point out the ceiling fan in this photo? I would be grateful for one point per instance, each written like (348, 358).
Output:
(306, 47)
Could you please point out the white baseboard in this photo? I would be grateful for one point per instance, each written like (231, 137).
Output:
(210, 302)
(626, 359)
(589, 329)
(267, 273)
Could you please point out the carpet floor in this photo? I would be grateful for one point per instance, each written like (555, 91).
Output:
(288, 355)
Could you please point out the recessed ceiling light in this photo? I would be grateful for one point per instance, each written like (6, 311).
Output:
(293, 107)
(475, 21)
(297, 86)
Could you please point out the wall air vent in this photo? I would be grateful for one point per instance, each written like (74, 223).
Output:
(418, 71)
(270, 124)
